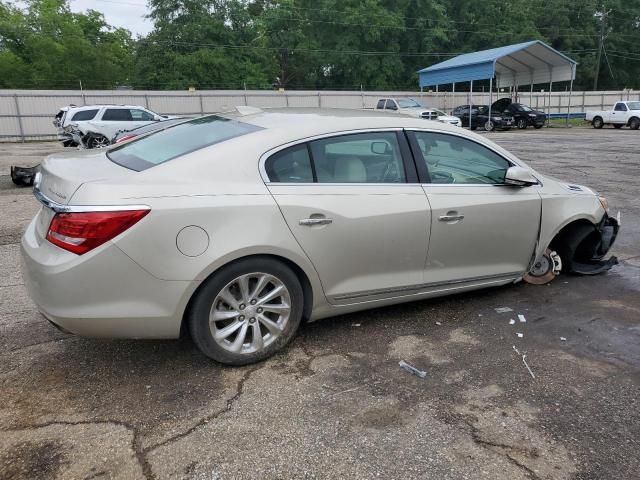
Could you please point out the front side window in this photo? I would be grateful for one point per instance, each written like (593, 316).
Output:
(620, 107)
(391, 105)
(358, 158)
(291, 165)
(117, 115)
(181, 139)
(455, 160)
(141, 115)
(84, 115)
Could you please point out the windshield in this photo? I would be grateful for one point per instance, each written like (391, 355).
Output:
(633, 105)
(408, 103)
(522, 108)
(187, 137)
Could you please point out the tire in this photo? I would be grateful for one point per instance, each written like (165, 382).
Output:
(521, 124)
(634, 123)
(240, 345)
(617, 125)
(489, 126)
(597, 122)
(98, 141)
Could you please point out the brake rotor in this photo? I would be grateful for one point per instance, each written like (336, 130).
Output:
(545, 269)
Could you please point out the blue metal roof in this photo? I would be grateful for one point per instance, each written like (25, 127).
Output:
(521, 60)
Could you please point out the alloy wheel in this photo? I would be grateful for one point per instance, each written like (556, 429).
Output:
(250, 313)
(522, 124)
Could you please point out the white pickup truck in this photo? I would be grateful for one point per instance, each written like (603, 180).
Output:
(409, 106)
(623, 113)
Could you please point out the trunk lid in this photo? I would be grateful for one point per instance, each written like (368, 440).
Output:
(62, 174)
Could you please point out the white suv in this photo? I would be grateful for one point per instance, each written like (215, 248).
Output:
(104, 121)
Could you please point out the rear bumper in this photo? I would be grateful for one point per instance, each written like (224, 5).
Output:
(102, 293)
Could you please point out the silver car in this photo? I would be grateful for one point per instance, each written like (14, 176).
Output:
(239, 226)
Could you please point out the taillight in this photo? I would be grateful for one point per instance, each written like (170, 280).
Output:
(83, 231)
(124, 138)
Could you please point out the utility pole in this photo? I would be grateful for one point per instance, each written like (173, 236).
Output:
(603, 20)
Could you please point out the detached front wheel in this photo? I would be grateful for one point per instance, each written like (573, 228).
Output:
(247, 311)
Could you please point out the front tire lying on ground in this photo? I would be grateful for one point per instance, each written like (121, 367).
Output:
(247, 311)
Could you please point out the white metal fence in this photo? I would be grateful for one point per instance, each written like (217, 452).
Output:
(28, 114)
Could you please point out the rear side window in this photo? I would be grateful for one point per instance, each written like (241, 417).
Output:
(381, 104)
(620, 107)
(84, 115)
(292, 165)
(117, 115)
(187, 137)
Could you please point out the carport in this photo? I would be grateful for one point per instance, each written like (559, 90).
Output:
(525, 63)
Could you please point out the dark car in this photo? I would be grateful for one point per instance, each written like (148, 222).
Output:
(123, 135)
(480, 118)
(524, 115)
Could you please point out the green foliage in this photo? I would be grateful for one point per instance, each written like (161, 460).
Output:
(48, 46)
(330, 44)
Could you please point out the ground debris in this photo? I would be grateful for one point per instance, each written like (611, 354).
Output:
(524, 360)
(503, 309)
(411, 369)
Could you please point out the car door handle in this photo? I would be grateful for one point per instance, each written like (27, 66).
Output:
(310, 222)
(450, 218)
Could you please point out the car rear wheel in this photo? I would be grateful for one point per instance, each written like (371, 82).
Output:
(597, 122)
(247, 311)
(634, 123)
(522, 124)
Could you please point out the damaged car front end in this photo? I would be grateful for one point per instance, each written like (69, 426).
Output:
(576, 232)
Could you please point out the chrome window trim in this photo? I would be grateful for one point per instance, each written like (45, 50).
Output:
(61, 208)
(274, 150)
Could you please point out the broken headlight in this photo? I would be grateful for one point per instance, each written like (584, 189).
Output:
(604, 202)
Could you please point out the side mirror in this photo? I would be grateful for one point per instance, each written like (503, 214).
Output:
(519, 177)
(380, 148)
(157, 118)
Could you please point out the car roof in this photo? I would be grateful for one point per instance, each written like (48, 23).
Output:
(291, 124)
(102, 105)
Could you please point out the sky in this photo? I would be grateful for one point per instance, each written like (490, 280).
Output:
(128, 14)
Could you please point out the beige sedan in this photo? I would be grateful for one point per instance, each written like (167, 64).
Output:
(239, 226)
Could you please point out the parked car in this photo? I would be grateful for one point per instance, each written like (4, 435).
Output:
(413, 108)
(238, 227)
(104, 120)
(622, 114)
(480, 118)
(523, 115)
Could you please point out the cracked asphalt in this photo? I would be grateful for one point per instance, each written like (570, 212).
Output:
(335, 404)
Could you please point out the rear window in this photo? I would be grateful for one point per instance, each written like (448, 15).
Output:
(84, 115)
(187, 137)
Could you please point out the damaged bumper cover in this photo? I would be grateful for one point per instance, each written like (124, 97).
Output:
(587, 246)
